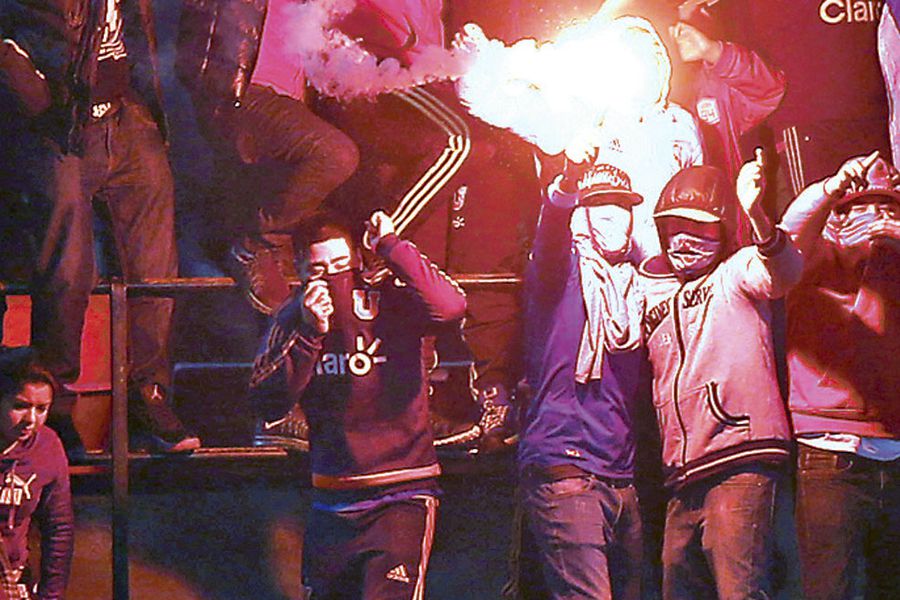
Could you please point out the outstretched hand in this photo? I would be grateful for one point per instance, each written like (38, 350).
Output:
(751, 182)
(852, 174)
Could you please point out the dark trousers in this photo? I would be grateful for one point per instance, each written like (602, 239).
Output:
(376, 554)
(125, 167)
(588, 535)
(277, 157)
(719, 538)
(848, 522)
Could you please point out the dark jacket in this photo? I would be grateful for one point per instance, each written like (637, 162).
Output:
(34, 481)
(363, 386)
(218, 44)
(570, 424)
(58, 40)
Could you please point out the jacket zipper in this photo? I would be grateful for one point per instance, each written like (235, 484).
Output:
(681, 352)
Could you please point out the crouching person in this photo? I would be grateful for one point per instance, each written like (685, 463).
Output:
(844, 359)
(725, 436)
(350, 351)
(576, 448)
(35, 480)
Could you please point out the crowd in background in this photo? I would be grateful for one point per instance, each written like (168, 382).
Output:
(753, 308)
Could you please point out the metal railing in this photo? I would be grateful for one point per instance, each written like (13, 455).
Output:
(119, 457)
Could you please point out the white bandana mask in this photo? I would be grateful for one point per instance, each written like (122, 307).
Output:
(691, 255)
(603, 230)
(852, 230)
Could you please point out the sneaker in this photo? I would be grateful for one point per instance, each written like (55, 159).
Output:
(290, 432)
(150, 410)
(497, 422)
(264, 267)
(448, 433)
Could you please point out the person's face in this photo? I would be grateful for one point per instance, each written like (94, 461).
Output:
(693, 248)
(22, 413)
(880, 208)
(328, 257)
(608, 226)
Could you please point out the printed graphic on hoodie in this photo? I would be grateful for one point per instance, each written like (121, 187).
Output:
(15, 489)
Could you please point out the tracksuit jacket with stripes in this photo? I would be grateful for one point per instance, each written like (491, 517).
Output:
(363, 387)
(710, 345)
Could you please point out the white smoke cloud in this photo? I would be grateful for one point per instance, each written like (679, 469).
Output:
(338, 66)
(557, 94)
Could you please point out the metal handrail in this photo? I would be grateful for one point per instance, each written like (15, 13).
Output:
(174, 285)
(119, 293)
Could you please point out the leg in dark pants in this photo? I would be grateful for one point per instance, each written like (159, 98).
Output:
(124, 164)
(291, 158)
(376, 554)
(588, 534)
(719, 538)
(848, 521)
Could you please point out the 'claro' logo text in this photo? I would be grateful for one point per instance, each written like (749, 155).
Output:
(359, 363)
(834, 12)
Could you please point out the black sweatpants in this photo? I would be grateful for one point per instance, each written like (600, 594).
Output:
(376, 554)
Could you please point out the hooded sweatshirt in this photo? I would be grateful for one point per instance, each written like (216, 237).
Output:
(710, 344)
(843, 333)
(35, 482)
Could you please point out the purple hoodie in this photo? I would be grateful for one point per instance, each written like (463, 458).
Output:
(35, 482)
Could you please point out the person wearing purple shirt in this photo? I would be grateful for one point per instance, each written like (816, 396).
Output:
(582, 331)
(34, 480)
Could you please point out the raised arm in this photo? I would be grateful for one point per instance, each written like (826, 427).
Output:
(755, 90)
(774, 265)
(806, 216)
(444, 301)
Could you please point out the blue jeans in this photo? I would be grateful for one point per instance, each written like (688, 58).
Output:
(588, 536)
(848, 523)
(719, 538)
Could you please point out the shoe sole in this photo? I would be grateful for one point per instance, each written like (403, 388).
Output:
(262, 440)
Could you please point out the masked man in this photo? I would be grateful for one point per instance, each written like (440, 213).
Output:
(350, 352)
(576, 448)
(844, 358)
(724, 428)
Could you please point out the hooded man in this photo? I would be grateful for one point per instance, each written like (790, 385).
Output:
(724, 429)
(844, 358)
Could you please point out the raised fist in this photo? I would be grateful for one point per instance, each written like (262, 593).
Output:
(751, 182)
(378, 227)
(317, 305)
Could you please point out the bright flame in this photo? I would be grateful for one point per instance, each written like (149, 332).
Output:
(557, 94)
